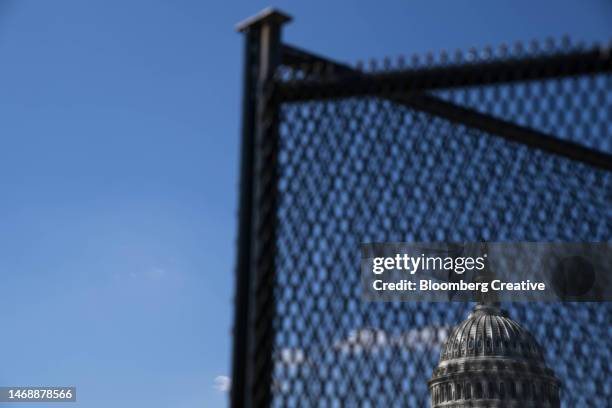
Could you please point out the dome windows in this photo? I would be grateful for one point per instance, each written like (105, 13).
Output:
(491, 357)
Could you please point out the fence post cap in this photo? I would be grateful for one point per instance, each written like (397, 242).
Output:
(269, 15)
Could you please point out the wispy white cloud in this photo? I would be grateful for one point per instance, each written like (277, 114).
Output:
(363, 339)
(222, 383)
(156, 273)
(291, 356)
(427, 337)
(373, 340)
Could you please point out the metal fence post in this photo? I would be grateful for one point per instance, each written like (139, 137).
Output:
(252, 348)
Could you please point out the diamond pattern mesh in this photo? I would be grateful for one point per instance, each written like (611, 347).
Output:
(575, 108)
(366, 169)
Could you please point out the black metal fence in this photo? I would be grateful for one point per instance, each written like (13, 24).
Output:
(506, 144)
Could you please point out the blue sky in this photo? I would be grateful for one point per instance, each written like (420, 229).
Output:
(119, 129)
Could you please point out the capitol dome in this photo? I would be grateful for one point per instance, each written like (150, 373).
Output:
(489, 360)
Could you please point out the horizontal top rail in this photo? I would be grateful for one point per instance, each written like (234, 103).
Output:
(345, 84)
(421, 100)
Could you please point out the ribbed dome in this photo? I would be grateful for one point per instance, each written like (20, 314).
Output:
(489, 360)
(488, 331)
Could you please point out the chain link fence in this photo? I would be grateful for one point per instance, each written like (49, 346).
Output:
(510, 144)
